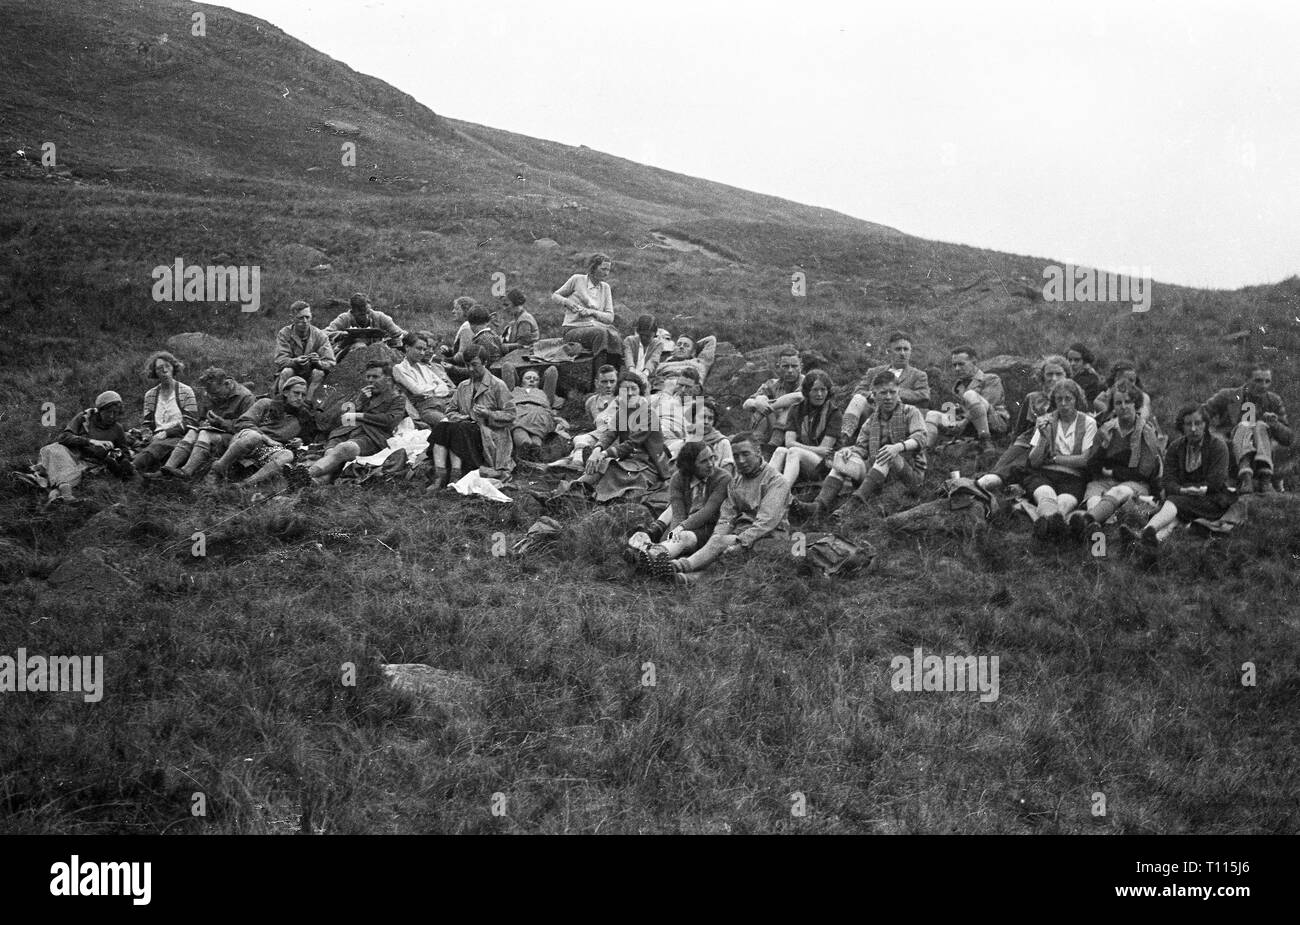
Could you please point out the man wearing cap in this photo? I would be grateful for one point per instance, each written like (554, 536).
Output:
(302, 349)
(361, 324)
(263, 430)
(227, 400)
(83, 446)
(365, 427)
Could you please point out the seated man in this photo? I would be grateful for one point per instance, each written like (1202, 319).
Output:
(913, 386)
(302, 349)
(426, 385)
(227, 400)
(643, 350)
(534, 420)
(688, 355)
(603, 397)
(82, 448)
(979, 407)
(364, 429)
(476, 433)
(361, 324)
(893, 439)
(262, 432)
(1252, 421)
(771, 404)
(752, 517)
(1124, 462)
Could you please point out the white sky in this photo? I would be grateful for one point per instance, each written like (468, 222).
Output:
(1113, 134)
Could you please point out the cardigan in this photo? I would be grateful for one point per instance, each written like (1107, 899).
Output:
(189, 406)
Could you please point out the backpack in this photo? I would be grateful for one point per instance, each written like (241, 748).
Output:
(835, 556)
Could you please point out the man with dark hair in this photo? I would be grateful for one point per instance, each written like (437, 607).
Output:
(891, 444)
(365, 425)
(361, 324)
(687, 355)
(979, 407)
(425, 384)
(1081, 359)
(227, 400)
(752, 517)
(772, 403)
(262, 432)
(603, 397)
(1252, 421)
(302, 349)
(913, 386)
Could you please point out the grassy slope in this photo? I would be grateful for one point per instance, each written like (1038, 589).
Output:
(223, 671)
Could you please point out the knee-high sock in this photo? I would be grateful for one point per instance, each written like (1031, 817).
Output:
(831, 488)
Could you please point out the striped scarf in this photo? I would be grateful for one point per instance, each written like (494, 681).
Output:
(878, 429)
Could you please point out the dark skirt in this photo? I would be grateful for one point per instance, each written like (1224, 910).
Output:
(1191, 507)
(1063, 483)
(463, 439)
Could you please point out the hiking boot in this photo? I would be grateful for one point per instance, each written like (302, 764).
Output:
(1042, 530)
(848, 510)
(172, 472)
(1056, 527)
(1150, 541)
(805, 510)
(685, 579)
(1246, 484)
(984, 445)
(1265, 480)
(1128, 536)
(1078, 523)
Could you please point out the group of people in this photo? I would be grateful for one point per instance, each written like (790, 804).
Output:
(1080, 449)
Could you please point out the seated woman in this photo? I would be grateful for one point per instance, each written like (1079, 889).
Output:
(629, 457)
(812, 432)
(696, 493)
(534, 420)
(1125, 461)
(476, 432)
(1010, 467)
(588, 306)
(82, 448)
(701, 418)
(1121, 371)
(170, 409)
(1058, 459)
(1195, 481)
(1081, 358)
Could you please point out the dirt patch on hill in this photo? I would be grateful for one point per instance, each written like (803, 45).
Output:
(689, 247)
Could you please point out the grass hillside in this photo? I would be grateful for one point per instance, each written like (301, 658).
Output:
(224, 671)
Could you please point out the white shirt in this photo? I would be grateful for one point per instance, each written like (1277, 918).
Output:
(1065, 436)
(422, 379)
(167, 412)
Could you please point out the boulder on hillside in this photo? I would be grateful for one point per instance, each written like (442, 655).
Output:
(90, 570)
(198, 350)
(298, 256)
(727, 361)
(546, 242)
(456, 694)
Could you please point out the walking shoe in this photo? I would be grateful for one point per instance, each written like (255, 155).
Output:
(1245, 484)
(1150, 540)
(1078, 523)
(172, 472)
(984, 445)
(804, 510)
(1128, 536)
(1042, 530)
(1265, 480)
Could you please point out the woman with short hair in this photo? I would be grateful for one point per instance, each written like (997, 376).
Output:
(695, 495)
(630, 457)
(1195, 480)
(589, 309)
(812, 432)
(1058, 459)
(1080, 359)
(1124, 463)
(1010, 466)
(170, 409)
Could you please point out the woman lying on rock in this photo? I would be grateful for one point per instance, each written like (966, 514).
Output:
(1195, 482)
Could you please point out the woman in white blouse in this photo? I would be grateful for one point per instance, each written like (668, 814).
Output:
(170, 408)
(589, 309)
(1058, 459)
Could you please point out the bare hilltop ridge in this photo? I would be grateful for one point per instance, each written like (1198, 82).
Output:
(355, 659)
